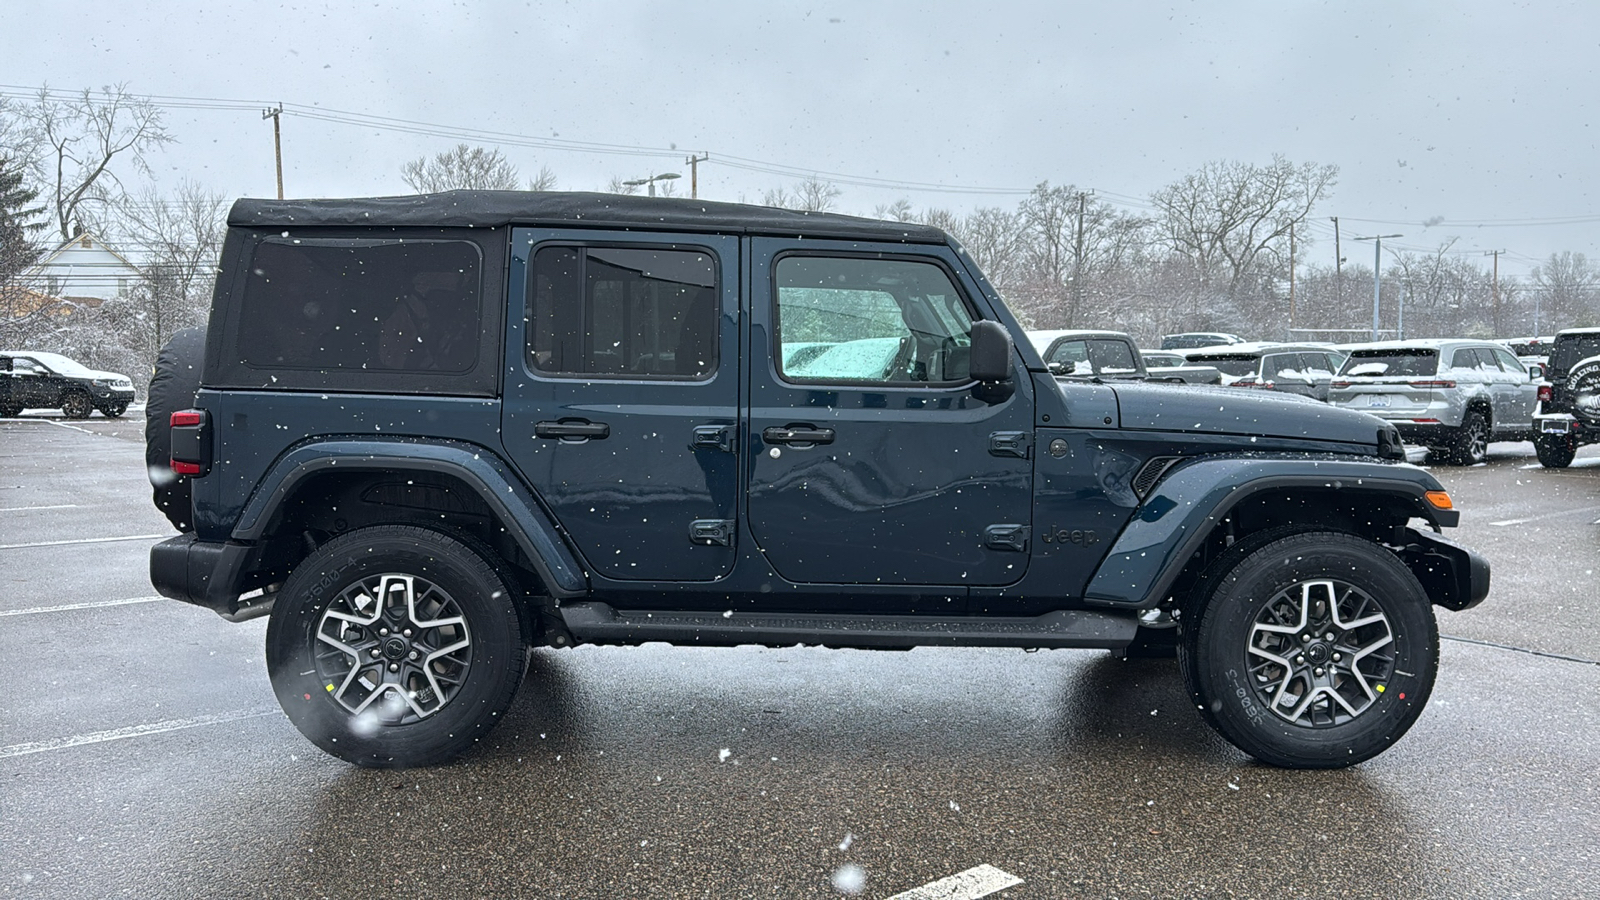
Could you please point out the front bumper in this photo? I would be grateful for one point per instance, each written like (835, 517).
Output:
(206, 573)
(1453, 576)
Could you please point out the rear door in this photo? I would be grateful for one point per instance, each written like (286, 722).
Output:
(873, 462)
(1521, 390)
(621, 396)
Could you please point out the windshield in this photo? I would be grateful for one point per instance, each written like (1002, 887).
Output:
(1391, 363)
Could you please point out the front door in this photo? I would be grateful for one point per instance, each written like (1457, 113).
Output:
(621, 397)
(873, 460)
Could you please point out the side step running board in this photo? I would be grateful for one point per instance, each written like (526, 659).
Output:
(600, 623)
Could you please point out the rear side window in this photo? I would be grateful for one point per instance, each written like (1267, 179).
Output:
(1093, 356)
(1570, 350)
(364, 305)
(1400, 363)
(623, 312)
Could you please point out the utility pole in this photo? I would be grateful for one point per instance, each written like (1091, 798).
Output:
(1077, 265)
(1377, 272)
(1496, 255)
(1338, 267)
(274, 114)
(694, 174)
(1290, 333)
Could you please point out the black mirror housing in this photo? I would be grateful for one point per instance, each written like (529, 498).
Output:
(991, 352)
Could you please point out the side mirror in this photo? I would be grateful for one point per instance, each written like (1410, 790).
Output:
(991, 352)
(1535, 372)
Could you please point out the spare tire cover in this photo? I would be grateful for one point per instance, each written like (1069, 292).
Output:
(1583, 383)
(172, 387)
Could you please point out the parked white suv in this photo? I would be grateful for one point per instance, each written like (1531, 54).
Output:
(1454, 396)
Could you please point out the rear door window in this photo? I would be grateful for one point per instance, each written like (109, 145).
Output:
(1395, 363)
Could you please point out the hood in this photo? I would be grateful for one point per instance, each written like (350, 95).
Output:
(1259, 414)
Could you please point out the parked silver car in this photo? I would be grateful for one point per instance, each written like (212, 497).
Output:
(1303, 369)
(1453, 396)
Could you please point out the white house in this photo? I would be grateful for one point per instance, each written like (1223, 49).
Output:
(84, 271)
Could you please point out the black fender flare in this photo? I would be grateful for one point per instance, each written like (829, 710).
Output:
(1175, 518)
(477, 467)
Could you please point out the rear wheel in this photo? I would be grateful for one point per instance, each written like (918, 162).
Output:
(113, 410)
(76, 405)
(9, 411)
(1555, 450)
(394, 647)
(1312, 651)
(1470, 443)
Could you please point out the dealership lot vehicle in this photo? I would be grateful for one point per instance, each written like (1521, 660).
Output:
(414, 514)
(1568, 414)
(1453, 396)
(32, 379)
(1301, 369)
(1086, 353)
(1190, 340)
(1170, 365)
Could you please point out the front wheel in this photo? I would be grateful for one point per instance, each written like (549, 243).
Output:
(1555, 450)
(393, 647)
(76, 405)
(1313, 651)
(114, 409)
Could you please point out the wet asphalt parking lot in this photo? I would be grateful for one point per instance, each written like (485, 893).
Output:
(142, 753)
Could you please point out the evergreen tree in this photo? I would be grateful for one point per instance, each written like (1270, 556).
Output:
(18, 247)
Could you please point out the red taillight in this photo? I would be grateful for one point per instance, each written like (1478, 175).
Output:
(1546, 393)
(1433, 384)
(185, 468)
(187, 418)
(1340, 384)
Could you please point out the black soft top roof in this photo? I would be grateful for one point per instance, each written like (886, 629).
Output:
(560, 208)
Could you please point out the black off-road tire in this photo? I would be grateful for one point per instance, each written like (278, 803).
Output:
(394, 646)
(1469, 445)
(172, 388)
(8, 411)
(1555, 451)
(76, 405)
(113, 410)
(1358, 692)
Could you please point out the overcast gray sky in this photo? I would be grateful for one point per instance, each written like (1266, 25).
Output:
(1477, 113)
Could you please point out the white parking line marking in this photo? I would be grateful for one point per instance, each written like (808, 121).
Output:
(66, 607)
(978, 881)
(131, 537)
(132, 731)
(64, 425)
(31, 508)
(1510, 522)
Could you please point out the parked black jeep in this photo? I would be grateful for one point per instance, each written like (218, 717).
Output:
(432, 432)
(1568, 415)
(32, 379)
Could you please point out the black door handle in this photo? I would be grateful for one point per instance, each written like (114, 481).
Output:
(572, 430)
(797, 434)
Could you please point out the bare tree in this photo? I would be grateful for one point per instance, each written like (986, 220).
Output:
(618, 186)
(1569, 289)
(462, 168)
(1073, 240)
(78, 138)
(811, 195)
(1230, 217)
(544, 181)
(898, 211)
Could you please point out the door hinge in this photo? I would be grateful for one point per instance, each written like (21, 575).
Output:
(711, 532)
(713, 437)
(1006, 537)
(1009, 443)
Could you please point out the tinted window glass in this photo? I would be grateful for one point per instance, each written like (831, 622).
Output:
(1510, 363)
(1403, 363)
(1235, 365)
(637, 313)
(365, 305)
(1572, 349)
(875, 320)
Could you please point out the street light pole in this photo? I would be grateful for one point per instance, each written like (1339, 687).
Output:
(1377, 273)
(651, 181)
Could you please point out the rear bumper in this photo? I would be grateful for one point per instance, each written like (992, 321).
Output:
(206, 573)
(1562, 424)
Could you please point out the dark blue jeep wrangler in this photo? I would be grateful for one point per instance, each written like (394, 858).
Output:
(427, 434)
